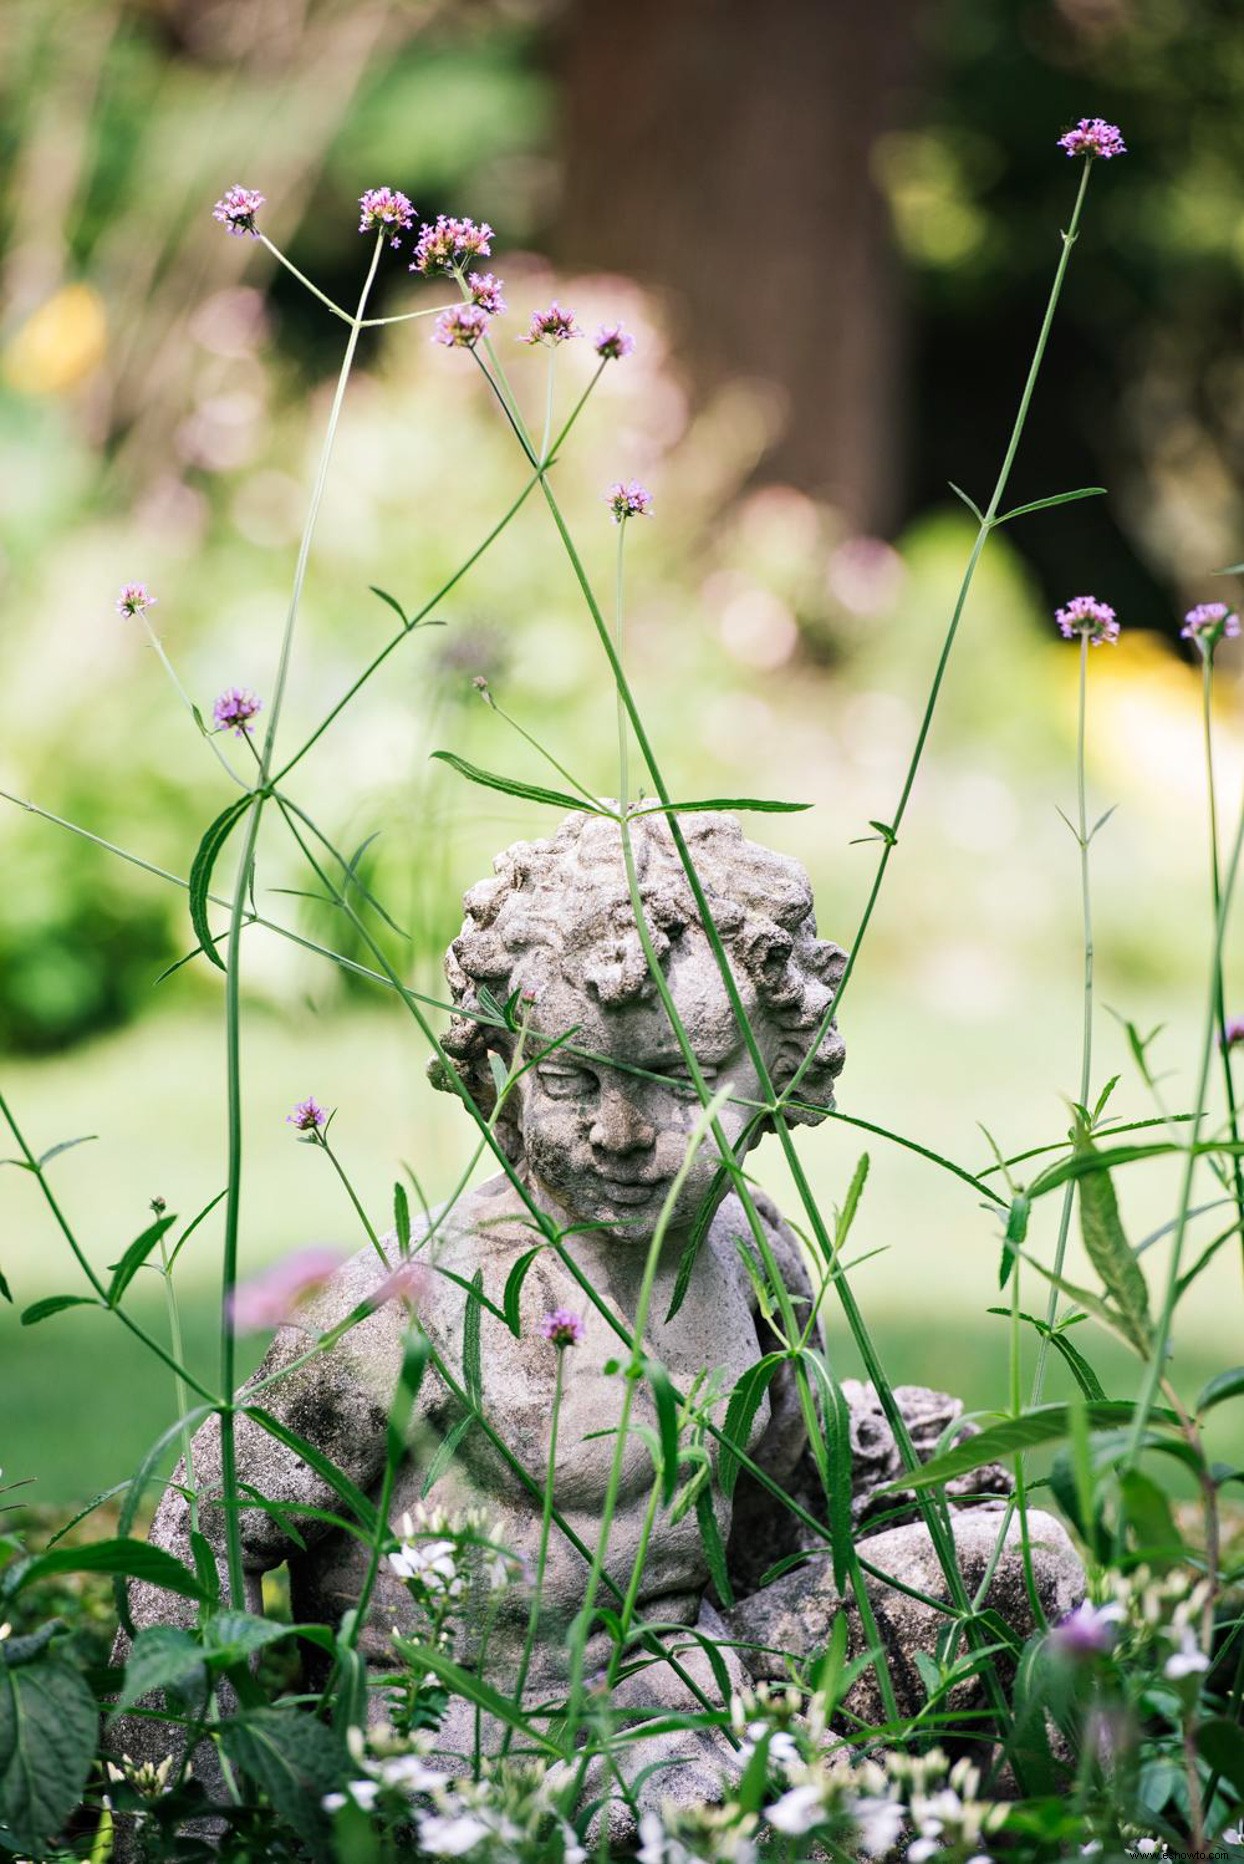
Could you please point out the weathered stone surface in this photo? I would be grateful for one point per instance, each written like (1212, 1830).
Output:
(596, 1132)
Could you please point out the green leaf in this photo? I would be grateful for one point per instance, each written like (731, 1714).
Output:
(1110, 1252)
(1015, 1233)
(745, 1401)
(337, 1479)
(971, 503)
(510, 786)
(124, 1271)
(1222, 1744)
(1080, 1369)
(445, 1452)
(55, 1304)
(205, 860)
(1149, 1513)
(48, 1725)
(514, 1288)
(1047, 504)
(66, 1145)
(232, 1637)
(1048, 1423)
(715, 805)
(134, 1559)
(667, 1424)
(1229, 1384)
(888, 834)
(690, 1255)
(296, 1760)
(714, 1550)
(401, 1217)
(467, 1683)
(163, 1657)
(392, 602)
(472, 1367)
(5, 1291)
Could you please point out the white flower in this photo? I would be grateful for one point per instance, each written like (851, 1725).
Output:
(1148, 1848)
(878, 1823)
(923, 1849)
(433, 1563)
(933, 1814)
(1235, 1836)
(410, 1773)
(1091, 1849)
(796, 1812)
(362, 1792)
(1188, 1660)
(651, 1840)
(331, 1802)
(451, 1837)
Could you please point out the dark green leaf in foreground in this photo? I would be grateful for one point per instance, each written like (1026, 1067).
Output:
(162, 1657)
(741, 1411)
(1110, 1252)
(124, 1271)
(716, 805)
(201, 873)
(510, 786)
(48, 1725)
(1229, 1384)
(134, 1559)
(1222, 1744)
(1049, 1423)
(54, 1304)
(295, 1760)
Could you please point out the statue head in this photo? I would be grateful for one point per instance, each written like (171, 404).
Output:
(594, 1134)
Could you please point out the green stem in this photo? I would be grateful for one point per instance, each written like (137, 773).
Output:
(1224, 1046)
(179, 1385)
(233, 1058)
(1086, 1037)
(542, 1553)
(623, 773)
(350, 1192)
(988, 521)
(188, 702)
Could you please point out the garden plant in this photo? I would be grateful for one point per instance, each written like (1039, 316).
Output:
(221, 1729)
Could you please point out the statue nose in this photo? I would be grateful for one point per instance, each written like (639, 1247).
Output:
(619, 1125)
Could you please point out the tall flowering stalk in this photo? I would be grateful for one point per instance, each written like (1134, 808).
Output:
(237, 921)
(1093, 624)
(1207, 625)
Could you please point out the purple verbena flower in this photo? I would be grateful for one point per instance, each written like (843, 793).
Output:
(270, 1299)
(1088, 1631)
(612, 343)
(134, 598)
(235, 709)
(562, 1328)
(461, 326)
(409, 1282)
(1232, 1033)
(1093, 136)
(308, 1116)
(629, 501)
(236, 210)
(553, 325)
(451, 242)
(1208, 623)
(486, 293)
(1085, 615)
(385, 210)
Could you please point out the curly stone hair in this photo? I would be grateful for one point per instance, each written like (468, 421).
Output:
(564, 903)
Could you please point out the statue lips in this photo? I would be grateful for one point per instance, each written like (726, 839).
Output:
(631, 1190)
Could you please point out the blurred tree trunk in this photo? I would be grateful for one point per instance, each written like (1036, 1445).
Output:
(720, 150)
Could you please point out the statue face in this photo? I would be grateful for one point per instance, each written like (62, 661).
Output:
(603, 1145)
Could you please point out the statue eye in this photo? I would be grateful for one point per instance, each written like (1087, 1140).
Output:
(684, 1086)
(566, 1083)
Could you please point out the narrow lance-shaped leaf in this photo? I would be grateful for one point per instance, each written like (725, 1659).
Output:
(124, 1271)
(745, 1401)
(716, 804)
(201, 870)
(1110, 1252)
(510, 786)
(54, 1304)
(1047, 504)
(1047, 1424)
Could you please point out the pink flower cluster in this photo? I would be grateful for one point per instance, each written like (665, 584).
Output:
(554, 325)
(134, 598)
(1210, 622)
(461, 326)
(612, 343)
(1085, 615)
(1094, 136)
(629, 501)
(385, 210)
(308, 1116)
(562, 1328)
(272, 1299)
(235, 709)
(236, 210)
(485, 293)
(449, 244)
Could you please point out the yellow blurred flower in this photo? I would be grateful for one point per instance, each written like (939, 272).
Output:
(59, 344)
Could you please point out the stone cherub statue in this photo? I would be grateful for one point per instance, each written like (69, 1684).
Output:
(597, 1147)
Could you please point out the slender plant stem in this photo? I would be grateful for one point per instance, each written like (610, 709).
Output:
(242, 887)
(355, 1200)
(988, 521)
(1086, 1038)
(542, 1552)
(1224, 1045)
(190, 706)
(179, 1384)
(623, 772)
